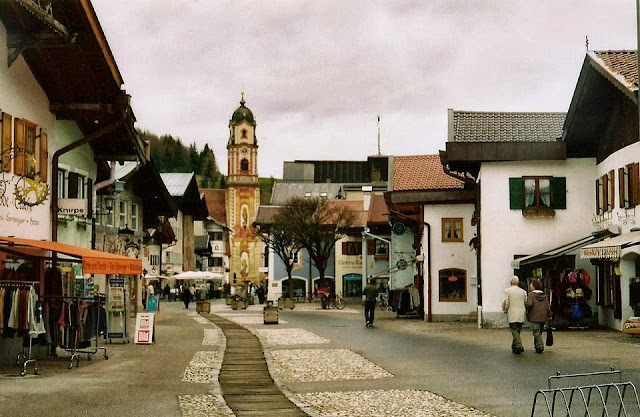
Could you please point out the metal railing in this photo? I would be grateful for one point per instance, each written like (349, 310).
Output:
(588, 400)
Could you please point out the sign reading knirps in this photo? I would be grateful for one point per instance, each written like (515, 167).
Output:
(144, 328)
(600, 252)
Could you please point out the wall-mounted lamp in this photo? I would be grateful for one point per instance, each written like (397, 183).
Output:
(109, 202)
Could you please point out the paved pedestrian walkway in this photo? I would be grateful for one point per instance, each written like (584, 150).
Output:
(245, 382)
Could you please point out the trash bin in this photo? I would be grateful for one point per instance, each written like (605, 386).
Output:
(270, 313)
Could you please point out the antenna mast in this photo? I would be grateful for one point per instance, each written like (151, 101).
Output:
(378, 134)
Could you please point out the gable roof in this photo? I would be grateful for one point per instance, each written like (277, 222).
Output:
(422, 172)
(622, 64)
(604, 96)
(183, 187)
(378, 211)
(214, 198)
(474, 126)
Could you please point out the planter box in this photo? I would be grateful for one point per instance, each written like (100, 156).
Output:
(203, 306)
(270, 315)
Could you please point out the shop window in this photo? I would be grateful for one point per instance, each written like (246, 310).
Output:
(537, 195)
(452, 230)
(352, 285)
(134, 217)
(628, 185)
(453, 285)
(605, 193)
(609, 294)
(352, 248)
(244, 165)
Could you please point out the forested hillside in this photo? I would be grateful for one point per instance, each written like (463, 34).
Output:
(171, 155)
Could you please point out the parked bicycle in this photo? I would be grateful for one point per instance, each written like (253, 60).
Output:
(384, 302)
(337, 302)
(301, 298)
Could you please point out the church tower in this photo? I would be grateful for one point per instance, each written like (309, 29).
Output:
(243, 196)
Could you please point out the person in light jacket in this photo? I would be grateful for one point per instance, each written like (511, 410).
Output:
(538, 311)
(513, 303)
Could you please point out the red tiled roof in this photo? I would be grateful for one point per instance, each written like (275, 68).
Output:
(216, 206)
(378, 210)
(623, 64)
(421, 172)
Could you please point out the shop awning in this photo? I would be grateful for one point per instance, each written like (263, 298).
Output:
(610, 248)
(93, 261)
(561, 250)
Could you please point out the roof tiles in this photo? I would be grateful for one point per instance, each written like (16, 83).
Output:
(622, 63)
(421, 172)
(471, 126)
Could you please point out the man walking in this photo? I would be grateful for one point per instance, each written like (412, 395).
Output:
(370, 293)
(513, 303)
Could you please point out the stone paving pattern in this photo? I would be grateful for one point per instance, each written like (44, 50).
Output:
(275, 337)
(380, 403)
(306, 365)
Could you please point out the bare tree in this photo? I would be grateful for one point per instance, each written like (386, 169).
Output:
(276, 234)
(316, 225)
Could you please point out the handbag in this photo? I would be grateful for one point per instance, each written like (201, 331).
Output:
(549, 341)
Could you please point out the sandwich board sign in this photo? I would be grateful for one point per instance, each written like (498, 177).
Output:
(144, 329)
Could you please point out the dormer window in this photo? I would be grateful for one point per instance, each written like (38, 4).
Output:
(244, 165)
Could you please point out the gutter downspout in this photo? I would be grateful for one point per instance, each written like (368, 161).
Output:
(94, 203)
(54, 172)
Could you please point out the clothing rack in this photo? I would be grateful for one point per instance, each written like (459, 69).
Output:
(23, 359)
(75, 349)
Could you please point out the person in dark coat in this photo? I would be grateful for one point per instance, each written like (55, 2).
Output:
(186, 296)
(538, 311)
(166, 291)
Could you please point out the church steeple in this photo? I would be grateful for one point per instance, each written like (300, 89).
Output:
(242, 147)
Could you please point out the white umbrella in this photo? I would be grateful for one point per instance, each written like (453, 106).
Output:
(187, 275)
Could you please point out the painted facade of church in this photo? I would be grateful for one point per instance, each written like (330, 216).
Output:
(243, 197)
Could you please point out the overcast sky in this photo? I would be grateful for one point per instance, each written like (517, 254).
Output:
(316, 74)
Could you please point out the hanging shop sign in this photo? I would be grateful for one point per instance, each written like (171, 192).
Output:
(600, 252)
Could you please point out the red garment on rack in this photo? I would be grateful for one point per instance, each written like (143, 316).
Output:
(23, 310)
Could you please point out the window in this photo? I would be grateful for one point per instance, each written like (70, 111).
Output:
(75, 185)
(628, 185)
(134, 216)
(609, 294)
(154, 260)
(62, 174)
(25, 145)
(243, 134)
(215, 262)
(122, 214)
(215, 235)
(244, 165)
(352, 248)
(605, 193)
(452, 230)
(382, 248)
(535, 195)
(453, 285)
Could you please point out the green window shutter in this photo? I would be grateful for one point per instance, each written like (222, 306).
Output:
(559, 193)
(516, 197)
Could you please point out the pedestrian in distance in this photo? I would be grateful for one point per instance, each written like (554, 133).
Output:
(539, 312)
(166, 292)
(370, 293)
(514, 304)
(186, 296)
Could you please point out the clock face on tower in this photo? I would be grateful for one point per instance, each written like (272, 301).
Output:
(244, 151)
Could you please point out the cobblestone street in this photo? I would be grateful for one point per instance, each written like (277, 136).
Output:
(325, 362)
